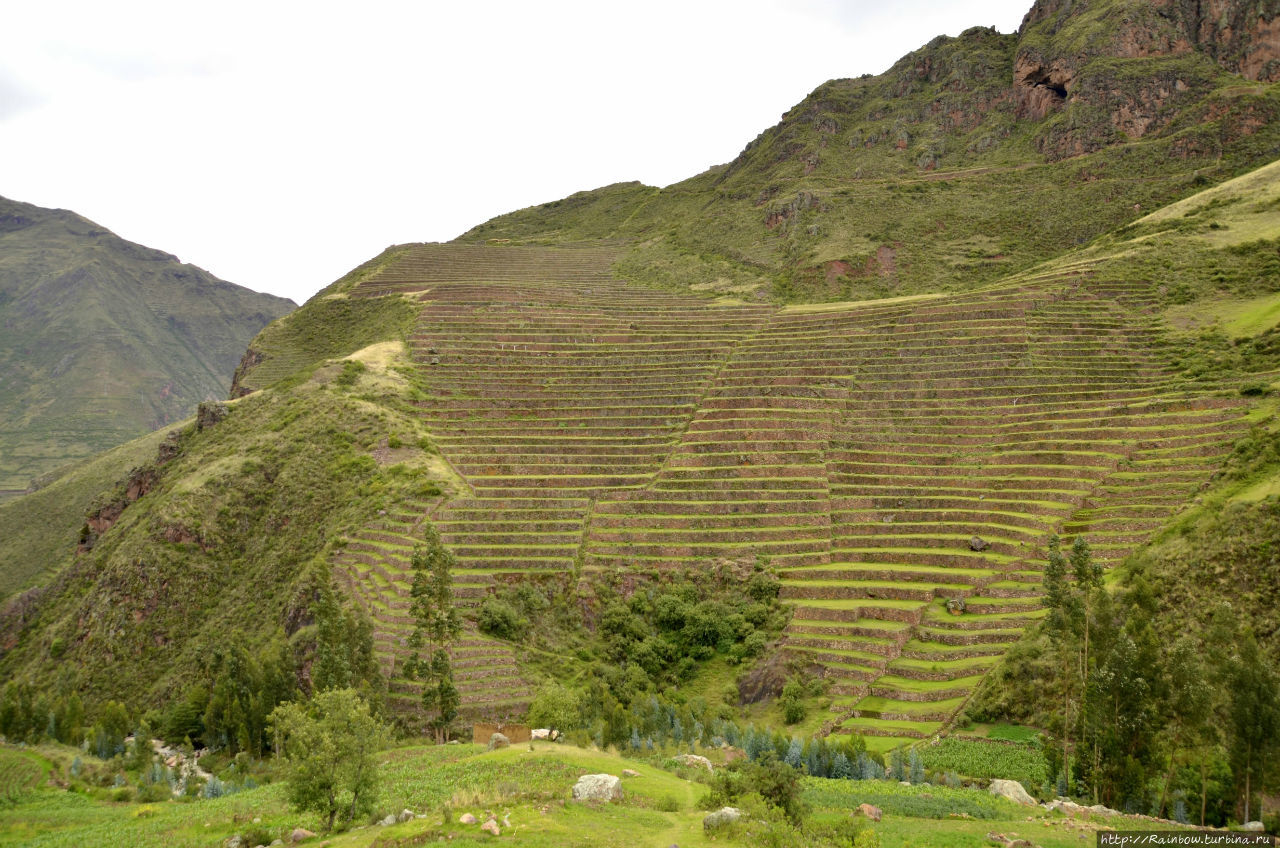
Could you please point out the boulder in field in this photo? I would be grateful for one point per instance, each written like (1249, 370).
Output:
(721, 818)
(466, 818)
(694, 761)
(598, 787)
(1012, 790)
(499, 740)
(491, 826)
(870, 811)
(299, 834)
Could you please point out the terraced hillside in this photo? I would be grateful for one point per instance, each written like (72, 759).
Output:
(883, 456)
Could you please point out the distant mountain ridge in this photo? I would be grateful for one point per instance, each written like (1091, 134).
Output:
(102, 339)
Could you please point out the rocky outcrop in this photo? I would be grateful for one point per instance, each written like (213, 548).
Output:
(209, 413)
(1040, 86)
(140, 481)
(1059, 41)
(1244, 38)
(250, 360)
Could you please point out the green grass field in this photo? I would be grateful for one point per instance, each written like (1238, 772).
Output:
(529, 787)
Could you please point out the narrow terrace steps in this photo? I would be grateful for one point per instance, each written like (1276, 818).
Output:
(859, 447)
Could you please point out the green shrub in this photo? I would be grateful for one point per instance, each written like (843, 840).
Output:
(770, 778)
(351, 371)
(500, 620)
(793, 709)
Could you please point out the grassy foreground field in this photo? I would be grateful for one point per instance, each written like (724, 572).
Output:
(529, 787)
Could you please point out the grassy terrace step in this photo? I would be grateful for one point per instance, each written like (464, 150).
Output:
(861, 645)
(875, 706)
(896, 631)
(942, 669)
(942, 688)
(1003, 636)
(896, 729)
(862, 665)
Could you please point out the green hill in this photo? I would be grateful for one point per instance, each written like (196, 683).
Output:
(1017, 285)
(104, 340)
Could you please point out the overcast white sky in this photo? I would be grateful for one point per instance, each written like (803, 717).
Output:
(278, 145)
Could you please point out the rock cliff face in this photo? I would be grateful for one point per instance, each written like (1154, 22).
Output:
(1071, 54)
(1058, 37)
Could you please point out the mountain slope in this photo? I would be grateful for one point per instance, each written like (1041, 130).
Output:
(1010, 344)
(935, 175)
(104, 340)
(588, 427)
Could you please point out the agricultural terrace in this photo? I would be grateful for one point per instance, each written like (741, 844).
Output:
(883, 456)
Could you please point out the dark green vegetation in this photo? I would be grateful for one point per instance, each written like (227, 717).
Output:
(329, 746)
(104, 340)
(1158, 694)
(812, 439)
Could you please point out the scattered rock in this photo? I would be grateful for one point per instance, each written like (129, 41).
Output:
(721, 818)
(209, 413)
(499, 740)
(1253, 827)
(694, 761)
(405, 815)
(1012, 790)
(1009, 842)
(1070, 808)
(389, 820)
(299, 834)
(466, 818)
(977, 543)
(234, 842)
(630, 773)
(598, 787)
(871, 812)
(491, 826)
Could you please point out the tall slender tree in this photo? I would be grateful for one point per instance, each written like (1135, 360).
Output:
(436, 625)
(1254, 719)
(1188, 706)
